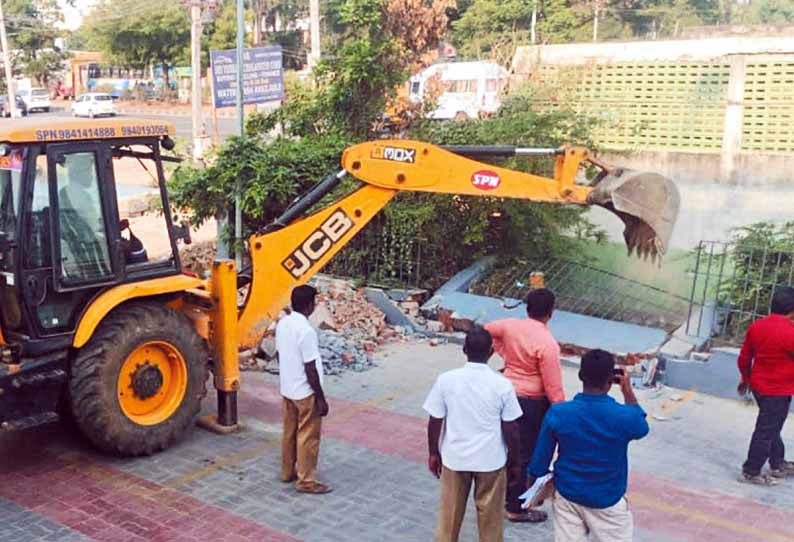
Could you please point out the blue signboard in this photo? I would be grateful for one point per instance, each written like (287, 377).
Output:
(263, 76)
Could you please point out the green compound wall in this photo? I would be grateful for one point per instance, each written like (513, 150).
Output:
(679, 105)
(768, 107)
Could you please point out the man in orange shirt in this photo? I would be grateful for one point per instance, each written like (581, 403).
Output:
(532, 364)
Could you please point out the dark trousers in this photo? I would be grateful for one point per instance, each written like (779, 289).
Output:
(767, 444)
(529, 425)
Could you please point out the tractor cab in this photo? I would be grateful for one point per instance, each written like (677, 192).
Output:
(69, 195)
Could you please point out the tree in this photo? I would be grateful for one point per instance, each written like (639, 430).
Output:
(223, 30)
(375, 45)
(417, 27)
(491, 28)
(139, 34)
(769, 12)
(33, 31)
(378, 43)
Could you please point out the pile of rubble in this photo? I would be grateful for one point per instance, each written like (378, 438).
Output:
(350, 330)
(198, 257)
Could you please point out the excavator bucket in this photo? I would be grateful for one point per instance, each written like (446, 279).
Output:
(647, 203)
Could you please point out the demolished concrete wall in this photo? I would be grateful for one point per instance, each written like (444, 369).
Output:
(579, 331)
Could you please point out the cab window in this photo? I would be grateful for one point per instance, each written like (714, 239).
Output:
(10, 191)
(85, 253)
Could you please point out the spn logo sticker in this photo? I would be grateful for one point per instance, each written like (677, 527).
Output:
(485, 179)
(395, 154)
(317, 244)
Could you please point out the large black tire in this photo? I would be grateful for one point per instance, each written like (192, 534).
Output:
(95, 372)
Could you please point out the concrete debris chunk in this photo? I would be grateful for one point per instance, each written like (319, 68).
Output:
(268, 347)
(350, 329)
(434, 326)
(322, 318)
(198, 257)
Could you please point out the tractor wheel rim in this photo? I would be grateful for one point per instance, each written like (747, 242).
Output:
(160, 397)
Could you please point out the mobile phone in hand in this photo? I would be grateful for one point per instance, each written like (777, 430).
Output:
(617, 375)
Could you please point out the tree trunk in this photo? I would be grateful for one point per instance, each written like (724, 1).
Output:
(260, 14)
(166, 80)
(257, 29)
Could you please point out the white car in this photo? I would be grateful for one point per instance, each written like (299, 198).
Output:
(36, 99)
(94, 104)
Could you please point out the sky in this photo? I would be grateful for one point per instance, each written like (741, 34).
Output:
(74, 15)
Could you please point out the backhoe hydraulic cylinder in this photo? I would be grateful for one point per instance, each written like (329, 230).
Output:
(307, 201)
(499, 151)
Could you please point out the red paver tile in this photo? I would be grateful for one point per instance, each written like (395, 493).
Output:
(663, 505)
(114, 506)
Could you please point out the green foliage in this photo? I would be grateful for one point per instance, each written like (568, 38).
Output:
(770, 12)
(433, 236)
(270, 176)
(149, 33)
(492, 28)
(489, 26)
(419, 237)
(32, 27)
(761, 258)
(223, 30)
(357, 77)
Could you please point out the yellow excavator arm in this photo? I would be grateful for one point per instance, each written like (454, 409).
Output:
(293, 248)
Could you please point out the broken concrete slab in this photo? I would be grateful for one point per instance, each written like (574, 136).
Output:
(461, 281)
(322, 318)
(267, 346)
(718, 376)
(697, 331)
(584, 331)
(407, 294)
(390, 309)
(676, 348)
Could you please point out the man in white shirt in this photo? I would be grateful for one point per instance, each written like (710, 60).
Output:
(301, 378)
(478, 409)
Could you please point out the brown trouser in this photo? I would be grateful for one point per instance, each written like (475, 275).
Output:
(300, 445)
(489, 497)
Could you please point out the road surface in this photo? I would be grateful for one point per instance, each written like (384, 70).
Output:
(207, 487)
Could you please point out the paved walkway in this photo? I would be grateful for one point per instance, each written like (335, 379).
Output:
(213, 488)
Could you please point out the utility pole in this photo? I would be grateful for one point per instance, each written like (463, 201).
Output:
(195, 64)
(12, 95)
(595, 20)
(238, 212)
(534, 20)
(314, 27)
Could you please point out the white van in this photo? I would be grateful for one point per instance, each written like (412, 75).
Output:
(36, 98)
(470, 88)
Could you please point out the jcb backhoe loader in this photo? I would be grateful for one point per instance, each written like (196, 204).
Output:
(92, 327)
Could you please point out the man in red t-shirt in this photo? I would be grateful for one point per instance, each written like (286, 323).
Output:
(766, 364)
(532, 364)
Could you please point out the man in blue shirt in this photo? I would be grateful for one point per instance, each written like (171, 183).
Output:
(593, 432)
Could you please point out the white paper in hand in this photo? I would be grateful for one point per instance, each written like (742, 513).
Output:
(540, 490)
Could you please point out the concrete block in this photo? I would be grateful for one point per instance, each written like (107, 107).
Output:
(268, 347)
(676, 348)
(394, 314)
(410, 294)
(700, 327)
(718, 376)
(462, 280)
(584, 331)
(322, 318)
